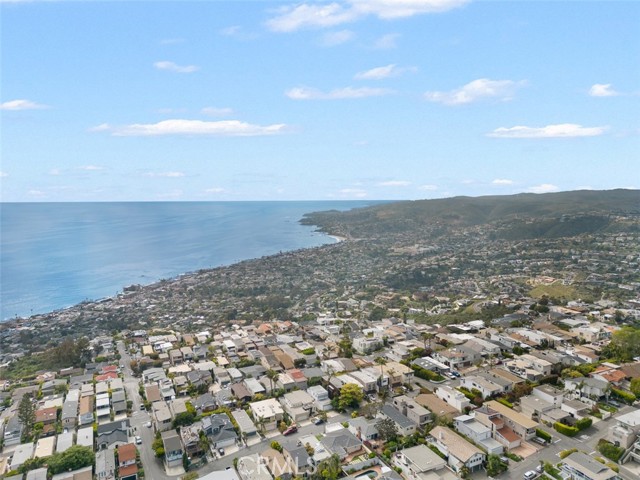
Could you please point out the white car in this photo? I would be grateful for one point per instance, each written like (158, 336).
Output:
(529, 475)
(138, 440)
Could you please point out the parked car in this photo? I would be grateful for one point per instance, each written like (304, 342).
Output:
(316, 420)
(529, 475)
(539, 469)
(148, 424)
(221, 451)
(505, 460)
(539, 440)
(138, 440)
(291, 429)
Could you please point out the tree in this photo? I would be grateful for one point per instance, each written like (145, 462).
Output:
(427, 337)
(345, 346)
(183, 419)
(276, 446)
(273, 376)
(328, 469)
(73, 458)
(495, 466)
(350, 396)
(27, 414)
(624, 345)
(382, 362)
(387, 429)
(635, 386)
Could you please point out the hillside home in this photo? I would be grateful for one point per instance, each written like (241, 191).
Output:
(524, 427)
(459, 452)
(298, 405)
(127, 468)
(478, 432)
(582, 466)
(106, 464)
(453, 397)
(412, 410)
(267, 413)
(487, 388)
(586, 389)
(626, 429)
(172, 449)
(418, 461)
(363, 428)
(342, 443)
(321, 398)
(403, 424)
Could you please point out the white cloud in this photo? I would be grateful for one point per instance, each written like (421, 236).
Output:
(387, 42)
(173, 67)
(22, 104)
(226, 128)
(502, 181)
(214, 190)
(165, 174)
(353, 192)
(602, 90)
(295, 17)
(544, 188)
(474, 91)
(91, 167)
(3, 174)
(563, 130)
(428, 187)
(379, 73)
(216, 112)
(305, 93)
(332, 39)
(394, 183)
(36, 193)
(172, 195)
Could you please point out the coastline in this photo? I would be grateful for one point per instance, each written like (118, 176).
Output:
(337, 238)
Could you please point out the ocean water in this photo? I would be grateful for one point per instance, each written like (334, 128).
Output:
(54, 255)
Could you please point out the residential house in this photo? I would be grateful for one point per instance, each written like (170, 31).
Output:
(241, 392)
(363, 429)
(250, 468)
(298, 459)
(106, 464)
(69, 416)
(276, 464)
(412, 410)
(366, 345)
(204, 403)
(245, 424)
(486, 387)
(21, 454)
(85, 411)
(13, 431)
(453, 397)
(267, 413)
(118, 402)
(112, 434)
(438, 407)
(342, 443)
(459, 452)
(127, 467)
(586, 389)
(479, 433)
(84, 437)
(403, 424)
(44, 447)
(582, 466)
(172, 449)
(190, 438)
(524, 427)
(161, 415)
(64, 441)
(418, 461)
(625, 431)
(321, 397)
(298, 405)
(48, 417)
(458, 357)
(219, 429)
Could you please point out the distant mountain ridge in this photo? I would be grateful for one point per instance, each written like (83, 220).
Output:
(525, 215)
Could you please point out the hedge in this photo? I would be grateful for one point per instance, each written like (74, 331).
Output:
(583, 423)
(425, 374)
(565, 453)
(566, 429)
(504, 402)
(623, 395)
(609, 450)
(544, 435)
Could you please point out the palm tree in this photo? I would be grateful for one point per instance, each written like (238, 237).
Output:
(426, 336)
(272, 375)
(381, 361)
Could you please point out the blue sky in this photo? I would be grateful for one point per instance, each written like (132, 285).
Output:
(353, 99)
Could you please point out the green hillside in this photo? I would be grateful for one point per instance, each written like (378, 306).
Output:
(524, 215)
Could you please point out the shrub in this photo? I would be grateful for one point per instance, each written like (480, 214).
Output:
(544, 435)
(609, 450)
(566, 429)
(623, 395)
(504, 402)
(437, 451)
(583, 423)
(513, 456)
(565, 453)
